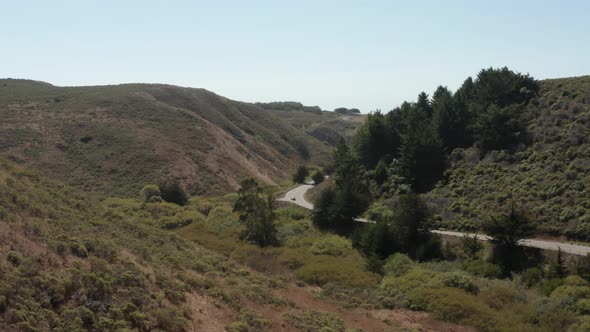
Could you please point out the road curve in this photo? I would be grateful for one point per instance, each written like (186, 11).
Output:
(299, 194)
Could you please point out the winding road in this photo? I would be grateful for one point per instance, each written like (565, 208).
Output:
(298, 193)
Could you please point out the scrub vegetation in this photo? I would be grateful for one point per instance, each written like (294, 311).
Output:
(115, 232)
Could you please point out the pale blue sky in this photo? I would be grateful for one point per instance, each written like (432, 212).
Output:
(365, 54)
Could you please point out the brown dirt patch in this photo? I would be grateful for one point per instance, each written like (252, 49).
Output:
(206, 315)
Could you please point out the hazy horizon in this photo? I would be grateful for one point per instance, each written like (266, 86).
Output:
(333, 54)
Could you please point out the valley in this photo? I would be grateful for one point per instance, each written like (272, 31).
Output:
(152, 207)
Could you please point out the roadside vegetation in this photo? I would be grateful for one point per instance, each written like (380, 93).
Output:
(488, 157)
(397, 173)
(73, 261)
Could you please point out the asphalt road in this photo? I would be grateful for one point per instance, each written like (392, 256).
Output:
(299, 194)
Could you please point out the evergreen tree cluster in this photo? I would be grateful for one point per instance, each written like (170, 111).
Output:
(418, 136)
(404, 152)
(406, 229)
(337, 206)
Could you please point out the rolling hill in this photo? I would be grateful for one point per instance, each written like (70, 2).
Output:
(115, 139)
(74, 261)
(549, 177)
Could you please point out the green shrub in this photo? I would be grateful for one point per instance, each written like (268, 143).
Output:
(397, 265)
(582, 307)
(187, 217)
(15, 258)
(170, 222)
(221, 218)
(326, 270)
(155, 199)
(292, 229)
(471, 246)
(500, 296)
(149, 191)
(395, 290)
(249, 322)
(531, 276)
(332, 245)
(309, 320)
(550, 285)
(295, 213)
(78, 249)
(581, 325)
(460, 280)
(170, 319)
(482, 269)
(455, 305)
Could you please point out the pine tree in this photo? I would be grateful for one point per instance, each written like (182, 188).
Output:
(256, 211)
(318, 177)
(450, 120)
(323, 215)
(507, 230)
(373, 141)
(424, 104)
(380, 173)
(557, 268)
(422, 157)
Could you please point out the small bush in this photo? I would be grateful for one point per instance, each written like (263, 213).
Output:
(249, 322)
(309, 320)
(550, 285)
(173, 222)
(149, 191)
(173, 193)
(531, 276)
(332, 245)
(15, 258)
(78, 249)
(294, 213)
(482, 269)
(460, 280)
(187, 217)
(397, 265)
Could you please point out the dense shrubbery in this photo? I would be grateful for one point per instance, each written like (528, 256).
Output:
(114, 270)
(489, 306)
(548, 178)
(464, 291)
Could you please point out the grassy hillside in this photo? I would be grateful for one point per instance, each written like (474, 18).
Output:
(325, 126)
(549, 177)
(70, 261)
(115, 139)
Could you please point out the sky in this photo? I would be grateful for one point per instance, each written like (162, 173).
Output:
(364, 54)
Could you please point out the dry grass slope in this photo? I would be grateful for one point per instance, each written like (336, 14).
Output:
(115, 139)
